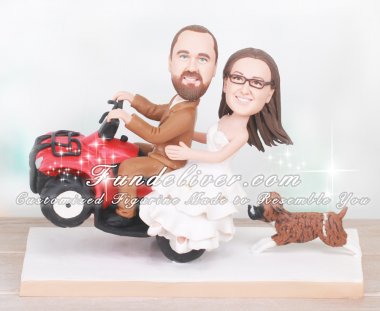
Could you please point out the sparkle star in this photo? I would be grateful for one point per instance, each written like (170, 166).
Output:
(330, 171)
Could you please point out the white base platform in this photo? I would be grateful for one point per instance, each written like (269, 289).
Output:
(88, 262)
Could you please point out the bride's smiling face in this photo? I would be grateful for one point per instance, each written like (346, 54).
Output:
(244, 97)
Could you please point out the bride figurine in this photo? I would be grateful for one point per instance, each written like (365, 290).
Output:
(201, 216)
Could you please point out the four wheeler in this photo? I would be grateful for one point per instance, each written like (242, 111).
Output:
(63, 164)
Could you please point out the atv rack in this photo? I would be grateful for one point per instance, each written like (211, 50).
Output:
(68, 145)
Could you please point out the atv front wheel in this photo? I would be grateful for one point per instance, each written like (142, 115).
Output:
(64, 201)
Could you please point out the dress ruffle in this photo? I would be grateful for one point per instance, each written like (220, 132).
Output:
(190, 225)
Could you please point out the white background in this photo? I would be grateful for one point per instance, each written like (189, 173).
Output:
(60, 61)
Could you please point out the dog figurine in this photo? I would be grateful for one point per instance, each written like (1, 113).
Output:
(299, 227)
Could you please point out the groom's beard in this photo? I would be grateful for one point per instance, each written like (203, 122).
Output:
(189, 85)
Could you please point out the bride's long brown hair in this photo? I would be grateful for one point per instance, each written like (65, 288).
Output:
(267, 122)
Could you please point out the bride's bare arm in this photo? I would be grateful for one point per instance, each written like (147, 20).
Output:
(200, 137)
(183, 152)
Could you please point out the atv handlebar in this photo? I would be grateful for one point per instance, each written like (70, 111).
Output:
(116, 105)
(108, 129)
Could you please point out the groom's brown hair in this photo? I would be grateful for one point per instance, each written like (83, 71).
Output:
(195, 28)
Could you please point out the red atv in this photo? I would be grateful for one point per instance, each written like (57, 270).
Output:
(62, 165)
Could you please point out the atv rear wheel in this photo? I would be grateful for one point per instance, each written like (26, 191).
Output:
(166, 249)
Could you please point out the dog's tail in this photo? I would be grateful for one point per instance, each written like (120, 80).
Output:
(343, 212)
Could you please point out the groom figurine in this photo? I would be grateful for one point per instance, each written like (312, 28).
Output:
(192, 64)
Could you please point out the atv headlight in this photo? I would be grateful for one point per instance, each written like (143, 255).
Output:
(38, 162)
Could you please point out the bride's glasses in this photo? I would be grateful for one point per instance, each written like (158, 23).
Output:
(256, 83)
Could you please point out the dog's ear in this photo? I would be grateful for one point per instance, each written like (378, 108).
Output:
(279, 208)
(276, 202)
(282, 211)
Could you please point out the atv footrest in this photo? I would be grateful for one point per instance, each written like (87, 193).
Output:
(137, 228)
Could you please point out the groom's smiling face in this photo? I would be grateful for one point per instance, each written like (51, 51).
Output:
(192, 64)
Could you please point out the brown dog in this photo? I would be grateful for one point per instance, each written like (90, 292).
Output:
(299, 227)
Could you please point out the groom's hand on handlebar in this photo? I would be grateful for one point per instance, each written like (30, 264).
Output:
(119, 114)
(122, 95)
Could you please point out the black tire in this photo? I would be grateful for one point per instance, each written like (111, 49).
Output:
(66, 215)
(166, 249)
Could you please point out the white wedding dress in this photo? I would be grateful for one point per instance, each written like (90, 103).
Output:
(202, 223)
